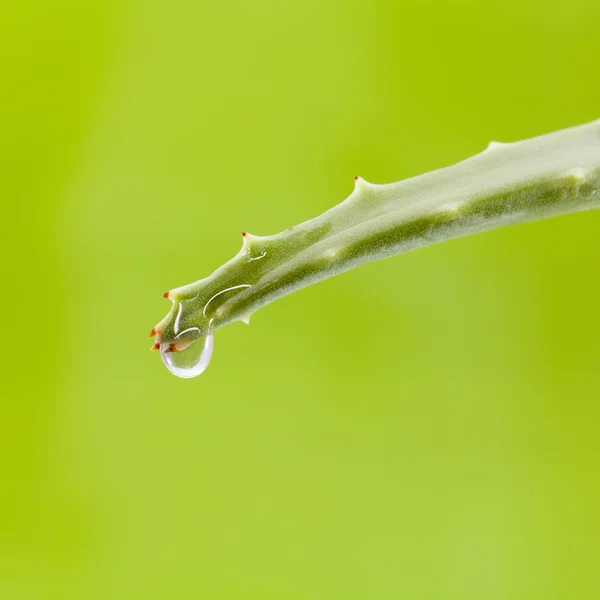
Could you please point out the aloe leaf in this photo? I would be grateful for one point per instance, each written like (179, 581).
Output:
(505, 184)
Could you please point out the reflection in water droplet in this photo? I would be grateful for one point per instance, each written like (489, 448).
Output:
(192, 361)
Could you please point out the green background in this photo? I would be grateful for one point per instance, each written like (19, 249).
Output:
(424, 427)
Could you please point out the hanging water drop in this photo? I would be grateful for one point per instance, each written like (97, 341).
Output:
(192, 360)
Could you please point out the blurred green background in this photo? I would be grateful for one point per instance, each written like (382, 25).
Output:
(424, 427)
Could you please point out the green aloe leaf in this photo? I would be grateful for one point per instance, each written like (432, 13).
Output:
(505, 184)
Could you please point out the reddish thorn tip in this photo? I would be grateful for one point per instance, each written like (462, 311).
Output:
(155, 348)
(166, 295)
(152, 333)
(356, 178)
(244, 233)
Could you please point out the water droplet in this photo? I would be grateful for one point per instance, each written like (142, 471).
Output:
(250, 258)
(192, 360)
